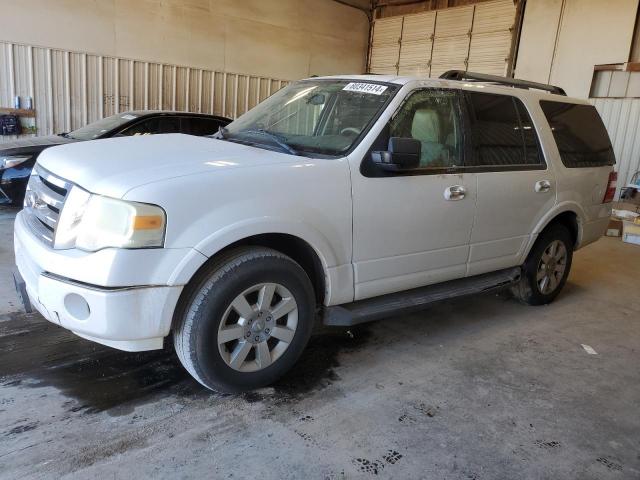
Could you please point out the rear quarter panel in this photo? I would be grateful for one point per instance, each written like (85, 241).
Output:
(579, 190)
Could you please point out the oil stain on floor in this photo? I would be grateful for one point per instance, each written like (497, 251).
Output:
(35, 353)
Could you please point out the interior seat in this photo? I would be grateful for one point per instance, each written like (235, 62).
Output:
(426, 128)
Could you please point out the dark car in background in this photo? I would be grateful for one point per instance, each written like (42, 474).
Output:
(18, 157)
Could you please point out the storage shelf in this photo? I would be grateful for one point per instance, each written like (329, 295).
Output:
(21, 112)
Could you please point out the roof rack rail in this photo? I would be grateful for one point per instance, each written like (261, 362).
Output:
(511, 82)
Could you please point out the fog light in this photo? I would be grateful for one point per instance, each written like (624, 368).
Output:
(77, 306)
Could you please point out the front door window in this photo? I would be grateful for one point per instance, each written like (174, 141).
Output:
(433, 117)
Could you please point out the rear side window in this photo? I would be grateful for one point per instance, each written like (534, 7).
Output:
(502, 133)
(168, 124)
(199, 126)
(579, 133)
(152, 126)
(145, 127)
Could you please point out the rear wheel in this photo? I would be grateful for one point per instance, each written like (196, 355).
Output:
(547, 267)
(247, 320)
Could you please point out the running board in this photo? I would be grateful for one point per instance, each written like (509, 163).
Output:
(377, 308)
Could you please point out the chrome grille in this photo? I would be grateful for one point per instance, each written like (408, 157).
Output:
(43, 203)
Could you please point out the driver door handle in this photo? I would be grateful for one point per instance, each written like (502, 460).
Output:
(455, 192)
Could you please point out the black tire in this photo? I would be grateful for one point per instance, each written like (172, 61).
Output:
(209, 299)
(528, 289)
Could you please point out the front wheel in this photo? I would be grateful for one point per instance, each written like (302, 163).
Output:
(247, 320)
(547, 267)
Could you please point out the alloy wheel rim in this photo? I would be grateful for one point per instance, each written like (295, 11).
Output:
(257, 327)
(552, 266)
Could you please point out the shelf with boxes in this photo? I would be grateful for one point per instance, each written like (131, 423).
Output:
(20, 112)
(12, 123)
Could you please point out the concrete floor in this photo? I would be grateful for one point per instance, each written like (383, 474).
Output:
(8, 298)
(478, 388)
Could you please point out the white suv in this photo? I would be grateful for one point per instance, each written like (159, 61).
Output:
(354, 197)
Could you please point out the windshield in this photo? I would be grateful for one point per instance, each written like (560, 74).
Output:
(99, 128)
(313, 116)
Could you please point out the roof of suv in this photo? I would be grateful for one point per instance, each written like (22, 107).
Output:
(443, 83)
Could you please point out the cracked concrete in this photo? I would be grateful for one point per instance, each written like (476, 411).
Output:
(477, 388)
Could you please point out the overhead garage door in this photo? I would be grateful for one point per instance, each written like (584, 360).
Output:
(474, 37)
(451, 42)
(385, 46)
(493, 27)
(416, 43)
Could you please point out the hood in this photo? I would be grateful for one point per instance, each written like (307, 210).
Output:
(116, 165)
(32, 144)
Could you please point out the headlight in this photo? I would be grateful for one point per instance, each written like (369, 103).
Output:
(10, 161)
(93, 222)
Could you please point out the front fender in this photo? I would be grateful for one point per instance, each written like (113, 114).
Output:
(308, 199)
(338, 278)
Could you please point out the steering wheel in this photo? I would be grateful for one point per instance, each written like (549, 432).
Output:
(351, 130)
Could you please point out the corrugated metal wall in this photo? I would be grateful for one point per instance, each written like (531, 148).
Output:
(71, 89)
(621, 116)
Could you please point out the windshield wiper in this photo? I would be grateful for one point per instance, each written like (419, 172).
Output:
(276, 138)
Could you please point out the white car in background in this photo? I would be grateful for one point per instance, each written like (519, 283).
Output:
(354, 197)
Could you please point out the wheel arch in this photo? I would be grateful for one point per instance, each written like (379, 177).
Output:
(312, 261)
(294, 247)
(570, 220)
(569, 215)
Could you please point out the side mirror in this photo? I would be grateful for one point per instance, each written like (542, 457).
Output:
(402, 154)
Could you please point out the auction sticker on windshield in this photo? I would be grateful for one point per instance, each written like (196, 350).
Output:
(373, 88)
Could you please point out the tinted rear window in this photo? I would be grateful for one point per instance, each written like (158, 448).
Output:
(200, 126)
(579, 133)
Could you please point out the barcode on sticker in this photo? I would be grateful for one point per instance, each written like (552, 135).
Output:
(373, 88)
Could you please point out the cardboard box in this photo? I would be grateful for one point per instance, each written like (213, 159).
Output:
(614, 229)
(633, 207)
(631, 232)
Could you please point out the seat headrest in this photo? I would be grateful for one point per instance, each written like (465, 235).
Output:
(426, 125)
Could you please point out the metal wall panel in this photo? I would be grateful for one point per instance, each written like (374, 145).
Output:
(621, 117)
(94, 101)
(615, 83)
(71, 89)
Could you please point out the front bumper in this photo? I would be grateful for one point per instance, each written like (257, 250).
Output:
(131, 318)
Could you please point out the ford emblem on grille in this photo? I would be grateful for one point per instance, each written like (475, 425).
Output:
(45, 197)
